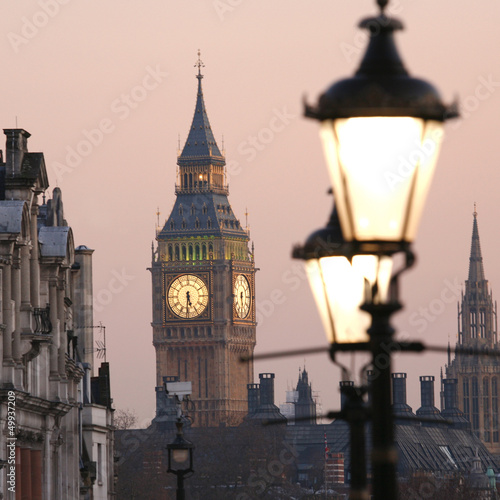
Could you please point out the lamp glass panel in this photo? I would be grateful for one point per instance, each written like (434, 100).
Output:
(338, 289)
(179, 456)
(379, 167)
(377, 272)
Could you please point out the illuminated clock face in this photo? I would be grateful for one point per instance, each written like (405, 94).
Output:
(187, 296)
(242, 296)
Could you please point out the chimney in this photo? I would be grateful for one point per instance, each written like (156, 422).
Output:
(399, 406)
(427, 410)
(253, 397)
(343, 397)
(398, 388)
(16, 146)
(451, 411)
(427, 390)
(450, 393)
(266, 388)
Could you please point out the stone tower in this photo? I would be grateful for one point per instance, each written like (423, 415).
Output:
(477, 376)
(203, 277)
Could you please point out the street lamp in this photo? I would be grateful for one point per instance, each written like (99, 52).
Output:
(381, 132)
(180, 459)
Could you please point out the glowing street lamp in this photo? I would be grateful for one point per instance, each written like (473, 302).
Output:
(180, 459)
(381, 132)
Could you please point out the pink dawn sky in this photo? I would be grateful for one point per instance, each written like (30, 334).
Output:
(119, 76)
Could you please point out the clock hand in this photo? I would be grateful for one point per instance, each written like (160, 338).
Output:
(188, 299)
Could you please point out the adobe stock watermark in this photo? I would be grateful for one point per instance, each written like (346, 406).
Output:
(470, 104)
(223, 7)
(121, 107)
(31, 26)
(422, 152)
(293, 278)
(253, 144)
(266, 476)
(450, 294)
(116, 284)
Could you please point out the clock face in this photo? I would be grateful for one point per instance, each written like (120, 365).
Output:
(242, 296)
(187, 296)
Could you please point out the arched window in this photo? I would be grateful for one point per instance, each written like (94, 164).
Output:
(197, 252)
(482, 324)
(204, 209)
(185, 181)
(170, 253)
(197, 223)
(204, 251)
(190, 252)
(183, 225)
(181, 210)
(193, 209)
(184, 256)
(177, 257)
(172, 224)
(473, 324)
(209, 223)
(190, 180)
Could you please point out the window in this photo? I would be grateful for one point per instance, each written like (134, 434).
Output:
(473, 324)
(172, 224)
(482, 324)
(475, 406)
(494, 408)
(197, 223)
(181, 210)
(183, 224)
(209, 223)
(204, 209)
(193, 209)
(486, 409)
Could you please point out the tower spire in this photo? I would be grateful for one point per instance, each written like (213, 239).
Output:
(476, 269)
(200, 144)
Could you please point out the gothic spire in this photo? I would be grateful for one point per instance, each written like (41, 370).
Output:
(476, 270)
(200, 143)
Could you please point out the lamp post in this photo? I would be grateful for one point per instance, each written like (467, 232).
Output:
(180, 459)
(381, 131)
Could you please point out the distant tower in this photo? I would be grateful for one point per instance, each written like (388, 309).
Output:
(478, 377)
(203, 277)
(305, 407)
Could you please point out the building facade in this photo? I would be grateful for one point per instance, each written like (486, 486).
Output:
(203, 278)
(478, 377)
(49, 432)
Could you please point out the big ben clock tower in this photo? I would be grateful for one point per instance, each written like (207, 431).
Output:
(203, 277)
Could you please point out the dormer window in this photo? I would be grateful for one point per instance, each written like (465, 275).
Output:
(172, 224)
(197, 223)
(183, 224)
(181, 210)
(209, 223)
(193, 209)
(204, 209)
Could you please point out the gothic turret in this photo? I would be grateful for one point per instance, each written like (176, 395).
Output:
(476, 377)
